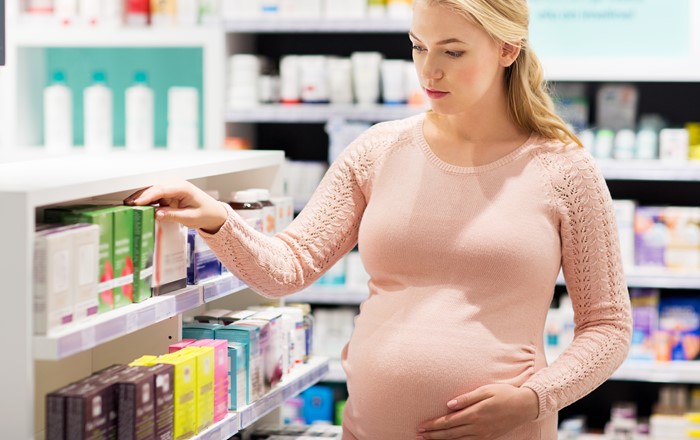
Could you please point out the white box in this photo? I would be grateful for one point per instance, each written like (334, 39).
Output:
(170, 257)
(674, 144)
(53, 279)
(86, 242)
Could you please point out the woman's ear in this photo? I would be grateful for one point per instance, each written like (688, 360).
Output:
(509, 53)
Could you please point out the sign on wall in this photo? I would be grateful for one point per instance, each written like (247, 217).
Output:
(610, 28)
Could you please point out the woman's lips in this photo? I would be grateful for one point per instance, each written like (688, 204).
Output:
(435, 94)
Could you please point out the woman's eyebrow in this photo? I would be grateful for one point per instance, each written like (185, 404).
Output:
(447, 41)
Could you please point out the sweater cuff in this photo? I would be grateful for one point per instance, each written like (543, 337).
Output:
(541, 397)
(226, 229)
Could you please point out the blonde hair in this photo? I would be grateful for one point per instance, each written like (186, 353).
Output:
(529, 102)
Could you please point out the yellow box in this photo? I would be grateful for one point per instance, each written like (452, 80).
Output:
(204, 395)
(144, 361)
(185, 367)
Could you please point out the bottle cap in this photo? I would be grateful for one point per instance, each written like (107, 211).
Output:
(244, 197)
(99, 76)
(262, 194)
(58, 76)
(140, 77)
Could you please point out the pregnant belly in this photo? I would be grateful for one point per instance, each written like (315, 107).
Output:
(403, 372)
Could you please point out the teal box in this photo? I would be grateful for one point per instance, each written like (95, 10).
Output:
(198, 330)
(250, 336)
(238, 394)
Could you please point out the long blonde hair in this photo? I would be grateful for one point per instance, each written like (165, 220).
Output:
(529, 102)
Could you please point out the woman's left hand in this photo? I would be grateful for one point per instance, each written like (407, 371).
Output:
(486, 413)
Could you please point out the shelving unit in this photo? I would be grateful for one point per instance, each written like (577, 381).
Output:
(24, 76)
(687, 372)
(26, 187)
(303, 377)
(307, 113)
(105, 327)
(259, 26)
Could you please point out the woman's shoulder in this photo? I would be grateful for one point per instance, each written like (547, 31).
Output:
(557, 154)
(390, 133)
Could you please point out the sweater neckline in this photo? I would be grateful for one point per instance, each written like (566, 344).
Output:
(456, 169)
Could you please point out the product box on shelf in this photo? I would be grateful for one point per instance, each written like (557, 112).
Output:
(239, 393)
(679, 329)
(645, 321)
(135, 403)
(164, 389)
(184, 418)
(262, 331)
(172, 348)
(86, 241)
(53, 279)
(202, 263)
(123, 224)
(249, 335)
(204, 384)
(284, 207)
(144, 248)
(274, 356)
(198, 330)
(668, 237)
(221, 380)
(170, 258)
(624, 214)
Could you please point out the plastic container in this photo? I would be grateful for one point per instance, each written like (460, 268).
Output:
(139, 114)
(246, 204)
(58, 115)
(97, 100)
(268, 211)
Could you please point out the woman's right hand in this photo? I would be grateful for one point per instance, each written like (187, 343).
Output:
(184, 203)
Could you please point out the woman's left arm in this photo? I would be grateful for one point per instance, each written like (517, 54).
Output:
(595, 280)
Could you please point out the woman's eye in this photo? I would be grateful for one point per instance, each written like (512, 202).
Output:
(454, 54)
(417, 48)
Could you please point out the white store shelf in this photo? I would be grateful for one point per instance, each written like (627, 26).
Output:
(302, 377)
(77, 176)
(649, 170)
(108, 326)
(82, 36)
(221, 430)
(661, 372)
(330, 295)
(311, 25)
(656, 278)
(637, 371)
(319, 113)
(220, 287)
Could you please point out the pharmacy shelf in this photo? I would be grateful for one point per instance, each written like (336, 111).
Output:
(660, 372)
(82, 36)
(220, 287)
(319, 113)
(90, 333)
(335, 372)
(79, 176)
(221, 430)
(656, 278)
(84, 335)
(637, 371)
(330, 295)
(261, 26)
(302, 377)
(650, 170)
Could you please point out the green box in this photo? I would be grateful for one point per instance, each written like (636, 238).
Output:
(144, 246)
(103, 218)
(123, 227)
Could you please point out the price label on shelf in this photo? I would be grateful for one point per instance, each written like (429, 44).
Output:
(131, 322)
(164, 309)
(87, 337)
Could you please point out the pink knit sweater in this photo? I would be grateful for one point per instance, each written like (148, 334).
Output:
(463, 263)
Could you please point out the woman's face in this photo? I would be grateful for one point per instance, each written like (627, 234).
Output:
(459, 65)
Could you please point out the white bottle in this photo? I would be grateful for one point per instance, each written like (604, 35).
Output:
(139, 114)
(90, 12)
(66, 11)
(183, 119)
(58, 115)
(97, 110)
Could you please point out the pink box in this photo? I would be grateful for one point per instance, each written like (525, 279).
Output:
(221, 366)
(180, 345)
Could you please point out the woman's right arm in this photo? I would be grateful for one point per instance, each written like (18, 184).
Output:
(275, 266)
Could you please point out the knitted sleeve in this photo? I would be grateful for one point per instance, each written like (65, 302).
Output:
(592, 268)
(319, 236)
